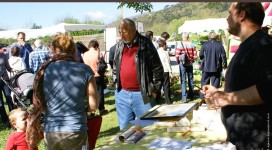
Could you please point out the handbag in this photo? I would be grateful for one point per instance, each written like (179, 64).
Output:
(94, 125)
(102, 65)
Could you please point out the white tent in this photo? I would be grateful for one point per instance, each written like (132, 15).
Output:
(51, 30)
(197, 26)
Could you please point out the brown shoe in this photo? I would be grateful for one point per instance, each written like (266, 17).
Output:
(103, 112)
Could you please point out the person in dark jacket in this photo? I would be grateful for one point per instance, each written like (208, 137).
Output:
(213, 56)
(138, 72)
(4, 66)
(111, 58)
(112, 52)
(25, 48)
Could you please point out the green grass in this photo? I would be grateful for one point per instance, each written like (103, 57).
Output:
(110, 123)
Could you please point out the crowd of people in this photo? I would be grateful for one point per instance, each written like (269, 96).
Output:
(66, 77)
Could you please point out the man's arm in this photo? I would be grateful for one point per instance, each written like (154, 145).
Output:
(178, 51)
(201, 52)
(28, 47)
(248, 96)
(157, 68)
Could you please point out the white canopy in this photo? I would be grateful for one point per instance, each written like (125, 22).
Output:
(197, 26)
(51, 30)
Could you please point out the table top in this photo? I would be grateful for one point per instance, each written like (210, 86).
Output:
(200, 139)
(209, 118)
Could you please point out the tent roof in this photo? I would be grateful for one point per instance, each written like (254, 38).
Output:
(210, 24)
(197, 26)
(51, 30)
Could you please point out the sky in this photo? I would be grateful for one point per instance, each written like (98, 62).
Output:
(18, 15)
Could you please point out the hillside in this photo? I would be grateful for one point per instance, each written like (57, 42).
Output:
(171, 17)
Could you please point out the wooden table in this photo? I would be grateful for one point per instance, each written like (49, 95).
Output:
(199, 139)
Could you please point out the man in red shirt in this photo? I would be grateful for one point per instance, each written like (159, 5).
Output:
(138, 72)
(187, 48)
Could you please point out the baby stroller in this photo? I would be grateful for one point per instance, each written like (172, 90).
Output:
(21, 85)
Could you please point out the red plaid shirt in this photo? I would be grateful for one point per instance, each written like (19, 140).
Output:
(188, 48)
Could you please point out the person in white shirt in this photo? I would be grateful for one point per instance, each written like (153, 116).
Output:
(15, 61)
(165, 60)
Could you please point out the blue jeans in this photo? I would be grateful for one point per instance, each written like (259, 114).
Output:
(129, 104)
(184, 71)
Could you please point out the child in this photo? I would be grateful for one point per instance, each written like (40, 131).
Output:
(15, 61)
(17, 140)
(165, 60)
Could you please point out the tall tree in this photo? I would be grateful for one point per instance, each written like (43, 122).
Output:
(89, 20)
(137, 6)
(68, 19)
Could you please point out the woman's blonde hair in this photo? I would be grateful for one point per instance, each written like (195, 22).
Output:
(63, 44)
(14, 114)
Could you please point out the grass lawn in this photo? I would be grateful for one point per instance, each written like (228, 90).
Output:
(110, 124)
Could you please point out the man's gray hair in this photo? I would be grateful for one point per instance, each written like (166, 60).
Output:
(185, 35)
(212, 35)
(130, 23)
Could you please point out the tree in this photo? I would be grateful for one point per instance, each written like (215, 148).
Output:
(137, 6)
(88, 20)
(34, 26)
(70, 20)
(214, 4)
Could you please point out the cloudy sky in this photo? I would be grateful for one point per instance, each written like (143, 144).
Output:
(17, 15)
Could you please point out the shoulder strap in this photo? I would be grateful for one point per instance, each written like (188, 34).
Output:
(185, 48)
(98, 53)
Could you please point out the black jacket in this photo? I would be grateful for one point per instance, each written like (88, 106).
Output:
(148, 66)
(213, 55)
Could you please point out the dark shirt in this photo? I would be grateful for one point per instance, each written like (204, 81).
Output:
(251, 65)
(213, 55)
(4, 66)
(80, 49)
(78, 56)
(111, 55)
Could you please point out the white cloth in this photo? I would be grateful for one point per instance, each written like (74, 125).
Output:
(165, 60)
